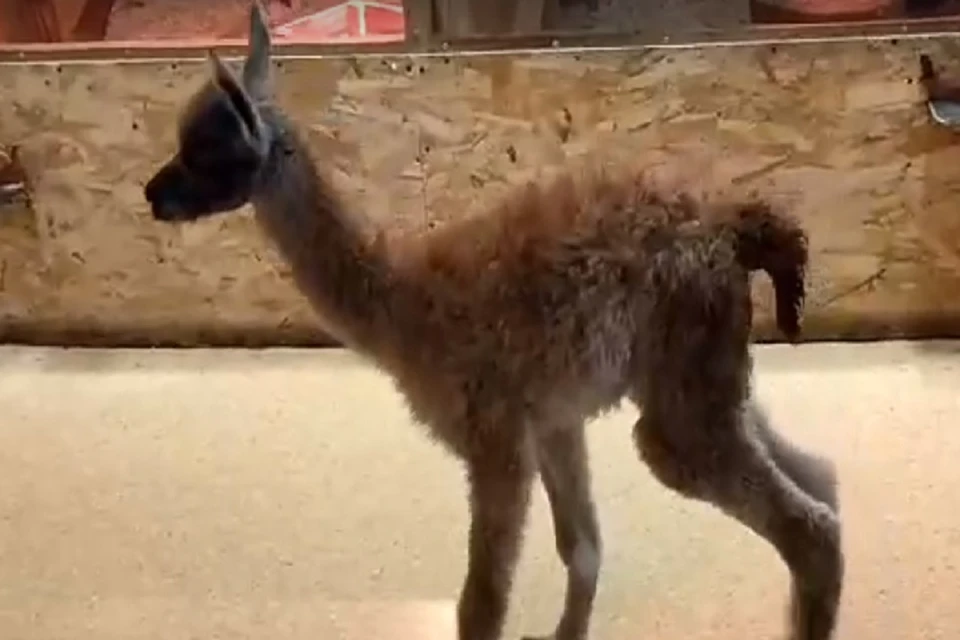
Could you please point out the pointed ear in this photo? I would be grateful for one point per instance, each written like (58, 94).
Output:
(227, 82)
(256, 69)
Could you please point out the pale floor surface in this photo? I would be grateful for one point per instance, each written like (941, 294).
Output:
(285, 494)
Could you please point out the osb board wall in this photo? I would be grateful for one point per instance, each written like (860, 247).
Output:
(836, 129)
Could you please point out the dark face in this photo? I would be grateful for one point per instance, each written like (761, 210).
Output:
(223, 145)
(216, 167)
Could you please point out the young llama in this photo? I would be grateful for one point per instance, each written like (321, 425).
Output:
(506, 332)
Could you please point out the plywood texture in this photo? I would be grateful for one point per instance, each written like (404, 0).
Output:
(836, 130)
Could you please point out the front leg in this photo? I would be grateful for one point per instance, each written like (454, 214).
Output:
(564, 470)
(499, 500)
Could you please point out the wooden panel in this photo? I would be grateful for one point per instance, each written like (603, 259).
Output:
(836, 129)
(459, 18)
(53, 20)
(36, 22)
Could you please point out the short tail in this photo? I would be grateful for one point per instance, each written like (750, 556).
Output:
(777, 244)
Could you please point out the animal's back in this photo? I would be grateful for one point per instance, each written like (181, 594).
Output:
(538, 300)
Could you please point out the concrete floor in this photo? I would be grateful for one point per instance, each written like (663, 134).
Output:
(285, 494)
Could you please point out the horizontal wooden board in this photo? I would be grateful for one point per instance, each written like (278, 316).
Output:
(836, 129)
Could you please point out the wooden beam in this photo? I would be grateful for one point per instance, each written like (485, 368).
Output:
(29, 22)
(528, 16)
(419, 17)
(465, 18)
(92, 22)
(54, 20)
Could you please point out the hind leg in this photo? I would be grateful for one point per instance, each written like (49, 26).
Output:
(499, 497)
(814, 474)
(715, 459)
(564, 470)
(698, 433)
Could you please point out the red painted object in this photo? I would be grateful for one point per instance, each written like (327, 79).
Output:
(349, 21)
(814, 11)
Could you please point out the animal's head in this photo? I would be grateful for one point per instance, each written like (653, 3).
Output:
(223, 143)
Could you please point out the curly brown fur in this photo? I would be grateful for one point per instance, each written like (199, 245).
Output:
(507, 331)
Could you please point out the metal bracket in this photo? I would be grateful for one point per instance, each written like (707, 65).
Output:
(14, 187)
(943, 97)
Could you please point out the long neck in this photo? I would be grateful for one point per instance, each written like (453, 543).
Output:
(346, 278)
